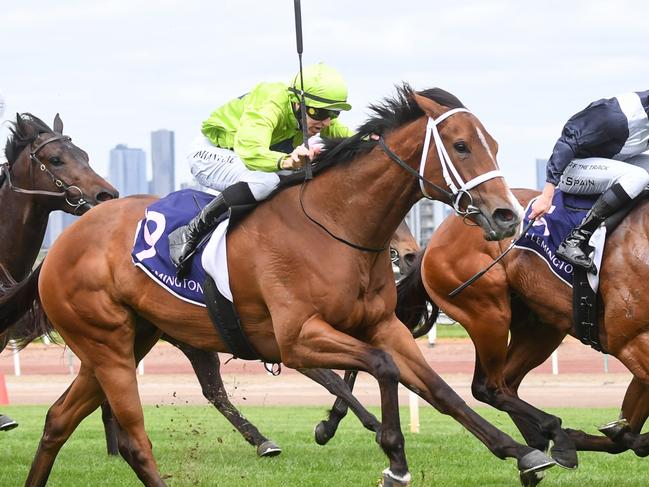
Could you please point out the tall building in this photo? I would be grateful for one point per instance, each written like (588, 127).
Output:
(540, 173)
(162, 162)
(425, 217)
(127, 170)
(57, 222)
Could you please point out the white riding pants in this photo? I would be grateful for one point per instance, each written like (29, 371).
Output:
(218, 168)
(595, 175)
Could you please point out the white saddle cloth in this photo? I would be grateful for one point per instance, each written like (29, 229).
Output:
(215, 259)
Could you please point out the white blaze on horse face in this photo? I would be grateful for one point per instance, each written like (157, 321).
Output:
(486, 146)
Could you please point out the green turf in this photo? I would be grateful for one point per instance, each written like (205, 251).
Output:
(196, 447)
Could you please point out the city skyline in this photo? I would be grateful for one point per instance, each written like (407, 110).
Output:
(522, 70)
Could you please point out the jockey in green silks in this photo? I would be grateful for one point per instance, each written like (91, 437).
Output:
(245, 142)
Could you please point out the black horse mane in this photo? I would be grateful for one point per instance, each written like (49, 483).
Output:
(389, 114)
(23, 132)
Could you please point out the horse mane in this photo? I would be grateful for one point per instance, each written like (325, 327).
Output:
(23, 132)
(389, 114)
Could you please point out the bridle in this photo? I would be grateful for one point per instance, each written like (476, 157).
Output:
(59, 183)
(458, 187)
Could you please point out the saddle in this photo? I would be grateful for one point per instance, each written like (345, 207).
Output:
(586, 305)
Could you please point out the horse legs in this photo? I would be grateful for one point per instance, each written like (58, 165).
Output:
(420, 378)
(339, 387)
(80, 399)
(319, 345)
(111, 429)
(326, 429)
(207, 367)
(530, 345)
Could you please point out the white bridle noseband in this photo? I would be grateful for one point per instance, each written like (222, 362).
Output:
(454, 181)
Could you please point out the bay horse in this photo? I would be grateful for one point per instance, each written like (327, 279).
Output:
(66, 182)
(304, 299)
(520, 296)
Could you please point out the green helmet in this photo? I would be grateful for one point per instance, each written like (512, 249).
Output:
(324, 87)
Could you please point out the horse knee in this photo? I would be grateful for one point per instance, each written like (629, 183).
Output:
(55, 431)
(481, 392)
(383, 366)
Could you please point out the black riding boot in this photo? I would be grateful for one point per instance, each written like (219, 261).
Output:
(184, 240)
(6, 423)
(575, 248)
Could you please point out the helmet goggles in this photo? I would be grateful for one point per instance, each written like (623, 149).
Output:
(321, 114)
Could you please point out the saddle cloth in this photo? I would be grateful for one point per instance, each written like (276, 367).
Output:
(546, 233)
(151, 247)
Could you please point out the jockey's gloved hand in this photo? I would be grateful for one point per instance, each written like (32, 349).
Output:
(295, 159)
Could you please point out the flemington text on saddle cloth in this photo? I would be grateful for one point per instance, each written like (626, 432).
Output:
(151, 247)
(546, 233)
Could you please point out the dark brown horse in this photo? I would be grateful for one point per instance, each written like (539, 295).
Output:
(44, 172)
(521, 296)
(329, 307)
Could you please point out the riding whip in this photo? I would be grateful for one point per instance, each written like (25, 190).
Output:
(308, 173)
(462, 287)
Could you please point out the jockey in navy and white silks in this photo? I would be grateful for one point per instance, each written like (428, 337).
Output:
(601, 150)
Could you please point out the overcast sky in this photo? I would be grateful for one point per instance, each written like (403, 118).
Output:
(116, 70)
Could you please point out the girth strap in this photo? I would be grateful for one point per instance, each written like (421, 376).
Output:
(226, 322)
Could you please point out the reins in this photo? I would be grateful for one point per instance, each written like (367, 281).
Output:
(477, 276)
(458, 188)
(59, 183)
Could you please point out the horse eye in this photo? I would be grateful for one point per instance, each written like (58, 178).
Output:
(55, 161)
(461, 147)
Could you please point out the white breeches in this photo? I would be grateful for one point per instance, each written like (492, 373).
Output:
(595, 175)
(218, 168)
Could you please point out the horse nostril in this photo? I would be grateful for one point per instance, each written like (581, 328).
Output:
(504, 215)
(105, 196)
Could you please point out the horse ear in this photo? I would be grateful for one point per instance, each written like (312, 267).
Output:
(58, 124)
(430, 107)
(24, 128)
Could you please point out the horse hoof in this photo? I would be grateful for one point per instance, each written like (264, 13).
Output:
(615, 428)
(268, 449)
(565, 458)
(530, 479)
(535, 461)
(322, 436)
(391, 480)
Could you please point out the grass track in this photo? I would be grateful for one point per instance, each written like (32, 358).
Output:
(196, 447)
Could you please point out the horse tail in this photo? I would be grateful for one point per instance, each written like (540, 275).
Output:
(414, 307)
(22, 318)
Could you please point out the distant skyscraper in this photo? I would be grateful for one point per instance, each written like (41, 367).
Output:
(127, 170)
(57, 222)
(162, 162)
(540, 173)
(425, 217)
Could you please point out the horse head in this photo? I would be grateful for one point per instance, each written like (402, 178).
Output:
(459, 154)
(46, 164)
(403, 248)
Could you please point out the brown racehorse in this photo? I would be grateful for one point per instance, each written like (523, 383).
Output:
(521, 296)
(303, 298)
(32, 195)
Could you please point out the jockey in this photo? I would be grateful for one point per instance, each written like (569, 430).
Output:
(247, 140)
(604, 149)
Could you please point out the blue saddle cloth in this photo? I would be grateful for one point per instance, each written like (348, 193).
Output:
(151, 248)
(545, 235)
